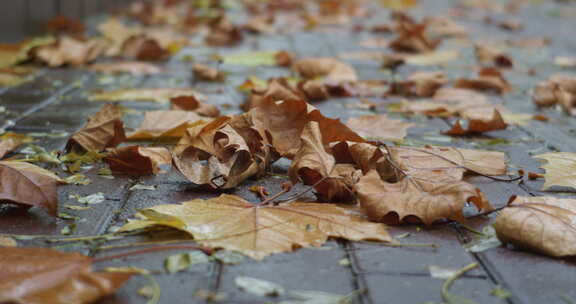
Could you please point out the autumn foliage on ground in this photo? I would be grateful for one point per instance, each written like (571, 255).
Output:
(361, 174)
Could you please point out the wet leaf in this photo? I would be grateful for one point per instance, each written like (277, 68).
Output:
(232, 223)
(136, 160)
(259, 287)
(11, 54)
(484, 242)
(29, 185)
(252, 59)
(166, 124)
(191, 103)
(205, 73)
(543, 224)
(560, 169)
(68, 50)
(91, 199)
(41, 275)
(182, 261)
(330, 69)
(379, 127)
(6, 241)
(103, 130)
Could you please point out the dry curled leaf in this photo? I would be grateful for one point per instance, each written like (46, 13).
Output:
(103, 130)
(223, 153)
(542, 224)
(42, 275)
(68, 50)
(416, 199)
(419, 84)
(29, 185)
(329, 68)
(161, 95)
(558, 89)
(135, 160)
(166, 124)
(379, 127)
(232, 223)
(132, 67)
(313, 165)
(223, 33)
(412, 37)
(278, 89)
(560, 169)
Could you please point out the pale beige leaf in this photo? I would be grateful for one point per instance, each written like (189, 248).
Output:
(166, 124)
(232, 223)
(379, 127)
(543, 224)
(330, 68)
(560, 169)
(132, 67)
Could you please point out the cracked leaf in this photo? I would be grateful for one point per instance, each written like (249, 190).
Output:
(232, 223)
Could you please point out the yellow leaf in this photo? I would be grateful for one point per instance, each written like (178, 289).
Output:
(232, 223)
(560, 169)
(399, 4)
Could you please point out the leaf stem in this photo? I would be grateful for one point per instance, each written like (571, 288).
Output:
(151, 249)
(454, 277)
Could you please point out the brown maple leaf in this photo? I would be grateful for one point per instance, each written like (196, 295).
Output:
(412, 37)
(65, 25)
(477, 126)
(103, 130)
(223, 33)
(488, 55)
(278, 89)
(29, 185)
(166, 124)
(313, 165)
(42, 275)
(232, 223)
(419, 84)
(136, 160)
(424, 200)
(542, 224)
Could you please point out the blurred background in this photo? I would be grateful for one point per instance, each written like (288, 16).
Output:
(22, 18)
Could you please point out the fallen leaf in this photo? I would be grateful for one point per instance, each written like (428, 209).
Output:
(477, 126)
(277, 89)
(29, 185)
(191, 103)
(254, 59)
(68, 50)
(11, 54)
(65, 25)
(543, 224)
(560, 169)
(166, 124)
(328, 68)
(558, 89)
(431, 58)
(206, 73)
(313, 165)
(132, 67)
(9, 141)
(565, 61)
(379, 127)
(161, 95)
(103, 130)
(232, 223)
(489, 55)
(399, 4)
(135, 160)
(419, 84)
(489, 79)
(416, 199)
(223, 33)
(42, 275)
(412, 37)
(182, 261)
(259, 287)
